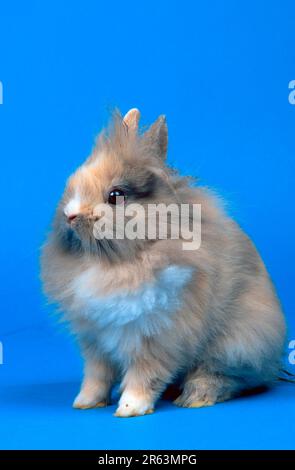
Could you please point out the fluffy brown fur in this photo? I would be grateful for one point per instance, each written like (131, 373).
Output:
(146, 312)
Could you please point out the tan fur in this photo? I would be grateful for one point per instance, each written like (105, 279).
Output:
(227, 333)
(96, 386)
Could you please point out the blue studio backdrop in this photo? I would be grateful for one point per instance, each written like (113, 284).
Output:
(221, 72)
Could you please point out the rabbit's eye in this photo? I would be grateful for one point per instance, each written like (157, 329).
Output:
(116, 196)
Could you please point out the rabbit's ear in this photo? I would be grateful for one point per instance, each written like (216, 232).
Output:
(156, 137)
(131, 119)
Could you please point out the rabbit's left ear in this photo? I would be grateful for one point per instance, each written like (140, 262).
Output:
(131, 119)
(156, 137)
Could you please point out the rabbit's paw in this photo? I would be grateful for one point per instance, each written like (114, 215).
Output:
(193, 404)
(206, 391)
(84, 401)
(132, 404)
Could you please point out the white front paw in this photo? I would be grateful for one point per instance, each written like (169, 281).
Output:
(132, 404)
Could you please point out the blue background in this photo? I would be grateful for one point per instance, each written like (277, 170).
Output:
(220, 72)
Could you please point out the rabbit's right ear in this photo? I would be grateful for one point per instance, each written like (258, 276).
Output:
(131, 119)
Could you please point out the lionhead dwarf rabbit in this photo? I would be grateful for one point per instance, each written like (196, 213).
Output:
(148, 313)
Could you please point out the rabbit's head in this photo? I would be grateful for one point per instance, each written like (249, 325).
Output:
(125, 167)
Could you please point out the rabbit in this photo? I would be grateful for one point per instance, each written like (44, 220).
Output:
(148, 313)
